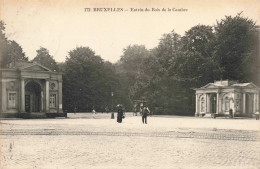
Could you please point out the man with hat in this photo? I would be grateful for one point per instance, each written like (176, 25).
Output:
(145, 113)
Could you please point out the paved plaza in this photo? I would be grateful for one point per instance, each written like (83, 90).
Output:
(94, 141)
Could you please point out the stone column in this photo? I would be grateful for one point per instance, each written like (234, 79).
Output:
(257, 102)
(233, 104)
(4, 97)
(217, 103)
(22, 96)
(47, 96)
(207, 103)
(60, 97)
(254, 102)
(196, 110)
(244, 103)
(199, 102)
(42, 101)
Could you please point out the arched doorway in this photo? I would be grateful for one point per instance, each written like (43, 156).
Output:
(32, 97)
(213, 103)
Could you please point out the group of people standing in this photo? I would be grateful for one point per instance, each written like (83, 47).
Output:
(143, 111)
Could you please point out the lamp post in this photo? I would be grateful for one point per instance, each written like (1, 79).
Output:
(112, 107)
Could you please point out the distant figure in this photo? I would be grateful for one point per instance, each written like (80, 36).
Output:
(93, 113)
(135, 111)
(75, 110)
(120, 114)
(257, 115)
(141, 110)
(145, 113)
(107, 109)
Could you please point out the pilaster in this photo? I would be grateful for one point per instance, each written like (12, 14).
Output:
(22, 89)
(254, 103)
(257, 101)
(4, 96)
(60, 97)
(207, 103)
(42, 98)
(220, 102)
(244, 103)
(217, 103)
(47, 96)
(196, 104)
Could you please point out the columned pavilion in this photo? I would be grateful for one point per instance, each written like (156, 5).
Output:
(221, 96)
(28, 87)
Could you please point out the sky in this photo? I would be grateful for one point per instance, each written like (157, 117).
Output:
(62, 25)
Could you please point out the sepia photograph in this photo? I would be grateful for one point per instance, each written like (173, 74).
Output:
(130, 84)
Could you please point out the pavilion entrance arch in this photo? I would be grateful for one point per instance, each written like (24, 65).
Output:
(213, 103)
(33, 97)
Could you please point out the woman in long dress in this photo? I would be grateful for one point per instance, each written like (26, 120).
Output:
(120, 114)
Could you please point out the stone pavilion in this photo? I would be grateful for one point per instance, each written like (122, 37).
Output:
(219, 97)
(28, 88)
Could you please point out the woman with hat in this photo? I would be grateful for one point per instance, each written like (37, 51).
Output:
(120, 113)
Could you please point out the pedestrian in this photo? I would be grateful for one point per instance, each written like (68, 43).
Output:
(135, 111)
(93, 113)
(145, 113)
(75, 110)
(257, 115)
(141, 110)
(120, 113)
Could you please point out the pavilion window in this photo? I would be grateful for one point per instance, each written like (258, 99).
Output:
(237, 105)
(52, 100)
(227, 104)
(11, 100)
(202, 105)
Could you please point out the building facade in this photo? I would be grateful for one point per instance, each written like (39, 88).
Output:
(222, 96)
(28, 87)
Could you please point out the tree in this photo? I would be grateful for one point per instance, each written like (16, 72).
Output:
(44, 58)
(61, 66)
(195, 64)
(15, 52)
(199, 38)
(235, 48)
(130, 70)
(132, 59)
(166, 77)
(3, 44)
(180, 64)
(10, 51)
(168, 49)
(88, 81)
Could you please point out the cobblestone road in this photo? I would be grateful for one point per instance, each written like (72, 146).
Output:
(103, 144)
(218, 135)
